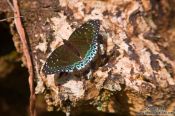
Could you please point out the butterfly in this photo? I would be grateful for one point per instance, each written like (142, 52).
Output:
(76, 52)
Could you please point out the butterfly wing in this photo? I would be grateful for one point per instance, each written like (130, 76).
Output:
(84, 36)
(84, 39)
(59, 60)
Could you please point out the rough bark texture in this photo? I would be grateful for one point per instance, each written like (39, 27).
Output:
(136, 65)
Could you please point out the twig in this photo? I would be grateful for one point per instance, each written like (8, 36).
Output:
(26, 52)
(11, 6)
(9, 18)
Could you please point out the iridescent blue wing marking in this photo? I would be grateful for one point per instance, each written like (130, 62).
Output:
(77, 52)
(85, 39)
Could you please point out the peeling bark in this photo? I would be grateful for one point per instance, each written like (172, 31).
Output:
(135, 64)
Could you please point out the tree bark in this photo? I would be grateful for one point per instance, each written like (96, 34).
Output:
(138, 67)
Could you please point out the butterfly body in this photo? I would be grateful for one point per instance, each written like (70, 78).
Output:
(77, 52)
